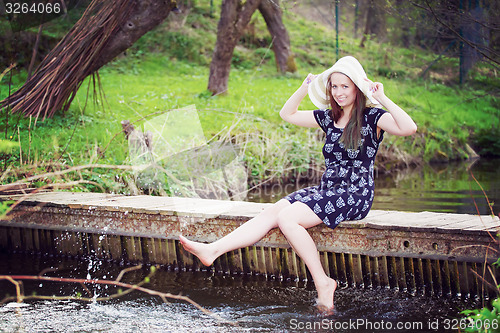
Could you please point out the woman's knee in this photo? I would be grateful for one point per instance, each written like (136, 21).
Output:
(287, 218)
(275, 209)
(297, 214)
(271, 213)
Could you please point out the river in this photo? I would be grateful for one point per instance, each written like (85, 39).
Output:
(250, 303)
(449, 187)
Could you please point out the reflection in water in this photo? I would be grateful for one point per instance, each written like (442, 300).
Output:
(438, 188)
(254, 302)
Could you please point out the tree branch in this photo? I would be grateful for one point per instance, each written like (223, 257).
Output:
(457, 34)
(130, 287)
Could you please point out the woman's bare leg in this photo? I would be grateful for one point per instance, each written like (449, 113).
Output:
(245, 235)
(293, 222)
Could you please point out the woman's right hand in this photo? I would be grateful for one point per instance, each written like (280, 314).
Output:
(310, 78)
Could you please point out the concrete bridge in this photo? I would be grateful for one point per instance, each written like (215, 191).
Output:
(430, 253)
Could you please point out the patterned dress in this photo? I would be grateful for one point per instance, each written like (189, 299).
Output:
(347, 185)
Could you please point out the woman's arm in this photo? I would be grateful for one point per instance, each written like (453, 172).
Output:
(397, 121)
(290, 112)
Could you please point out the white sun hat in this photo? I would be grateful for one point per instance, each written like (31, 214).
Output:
(349, 66)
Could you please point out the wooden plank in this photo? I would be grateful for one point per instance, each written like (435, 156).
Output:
(154, 250)
(70, 199)
(423, 219)
(351, 280)
(332, 260)
(454, 278)
(96, 243)
(437, 277)
(410, 275)
(28, 240)
(341, 268)
(375, 272)
(61, 242)
(377, 213)
(324, 261)
(164, 252)
(127, 248)
(484, 224)
(419, 275)
(401, 273)
(392, 270)
(15, 238)
(172, 253)
(103, 243)
(36, 240)
(85, 244)
(367, 271)
(269, 259)
(245, 260)
(4, 238)
(383, 269)
(469, 224)
(261, 259)
(115, 247)
(357, 270)
(303, 274)
(292, 265)
(237, 261)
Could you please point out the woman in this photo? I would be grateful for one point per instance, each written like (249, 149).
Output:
(354, 130)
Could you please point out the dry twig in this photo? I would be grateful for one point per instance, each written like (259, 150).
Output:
(14, 279)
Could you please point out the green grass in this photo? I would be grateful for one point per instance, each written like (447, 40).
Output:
(168, 69)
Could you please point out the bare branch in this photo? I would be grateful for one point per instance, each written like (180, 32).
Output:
(458, 35)
(488, 284)
(130, 287)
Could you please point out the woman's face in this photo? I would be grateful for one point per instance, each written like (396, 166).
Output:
(343, 90)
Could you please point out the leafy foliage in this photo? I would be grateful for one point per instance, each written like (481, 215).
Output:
(487, 141)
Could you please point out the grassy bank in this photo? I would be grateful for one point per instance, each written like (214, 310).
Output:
(168, 69)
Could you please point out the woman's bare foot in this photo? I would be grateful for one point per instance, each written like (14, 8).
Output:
(326, 293)
(201, 250)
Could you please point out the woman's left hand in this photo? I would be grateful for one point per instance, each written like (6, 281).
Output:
(377, 89)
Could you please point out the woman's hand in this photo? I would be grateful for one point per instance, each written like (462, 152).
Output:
(290, 112)
(397, 121)
(377, 90)
(310, 77)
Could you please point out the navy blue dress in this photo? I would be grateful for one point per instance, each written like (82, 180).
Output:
(347, 186)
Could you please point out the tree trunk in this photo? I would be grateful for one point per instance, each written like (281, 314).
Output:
(105, 30)
(234, 17)
(146, 15)
(271, 11)
(375, 21)
(473, 32)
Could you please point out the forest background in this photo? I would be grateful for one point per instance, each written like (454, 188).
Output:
(415, 48)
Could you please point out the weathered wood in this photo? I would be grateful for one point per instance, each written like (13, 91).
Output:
(419, 275)
(357, 270)
(383, 272)
(429, 282)
(367, 271)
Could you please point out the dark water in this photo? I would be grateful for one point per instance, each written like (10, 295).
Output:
(254, 303)
(439, 188)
